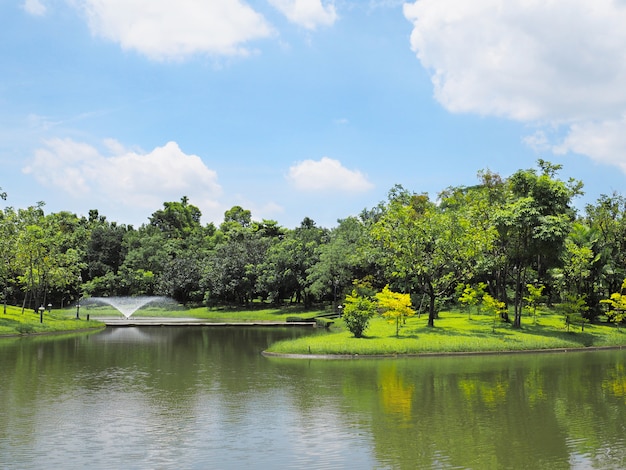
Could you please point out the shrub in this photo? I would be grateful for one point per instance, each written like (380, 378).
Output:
(357, 313)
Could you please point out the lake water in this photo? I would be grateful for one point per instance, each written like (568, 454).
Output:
(200, 398)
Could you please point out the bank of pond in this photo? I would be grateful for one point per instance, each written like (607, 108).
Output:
(454, 332)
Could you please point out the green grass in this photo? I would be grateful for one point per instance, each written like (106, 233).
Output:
(454, 332)
(14, 322)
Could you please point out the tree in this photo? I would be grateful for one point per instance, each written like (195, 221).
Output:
(617, 305)
(286, 270)
(105, 249)
(471, 296)
(606, 220)
(236, 219)
(573, 310)
(231, 271)
(578, 265)
(357, 313)
(395, 306)
(9, 229)
(534, 298)
(344, 258)
(533, 224)
(495, 307)
(428, 246)
(181, 279)
(177, 219)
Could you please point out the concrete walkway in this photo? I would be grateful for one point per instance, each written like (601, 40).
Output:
(160, 321)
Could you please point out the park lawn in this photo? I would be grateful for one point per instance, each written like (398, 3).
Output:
(454, 332)
(15, 323)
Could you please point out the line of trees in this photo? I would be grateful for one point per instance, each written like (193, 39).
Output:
(502, 234)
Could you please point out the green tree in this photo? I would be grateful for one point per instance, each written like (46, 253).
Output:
(495, 307)
(231, 270)
(344, 258)
(573, 310)
(9, 229)
(533, 224)
(617, 305)
(471, 296)
(286, 271)
(606, 220)
(181, 279)
(428, 246)
(177, 219)
(357, 313)
(534, 298)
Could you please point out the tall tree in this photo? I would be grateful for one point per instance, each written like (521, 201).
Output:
(427, 247)
(9, 230)
(533, 225)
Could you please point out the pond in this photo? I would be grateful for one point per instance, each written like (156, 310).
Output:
(201, 397)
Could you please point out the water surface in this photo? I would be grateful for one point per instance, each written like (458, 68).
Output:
(205, 398)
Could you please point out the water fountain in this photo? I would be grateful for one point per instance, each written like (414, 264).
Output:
(127, 305)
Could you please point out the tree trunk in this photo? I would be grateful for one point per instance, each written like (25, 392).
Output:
(431, 306)
(517, 322)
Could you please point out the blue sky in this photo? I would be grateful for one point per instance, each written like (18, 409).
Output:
(302, 108)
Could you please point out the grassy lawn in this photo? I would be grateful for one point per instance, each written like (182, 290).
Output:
(455, 332)
(14, 322)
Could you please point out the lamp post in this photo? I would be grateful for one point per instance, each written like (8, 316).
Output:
(41, 310)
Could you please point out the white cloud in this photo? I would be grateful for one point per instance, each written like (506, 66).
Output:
(307, 13)
(128, 178)
(603, 141)
(327, 174)
(556, 62)
(165, 30)
(524, 59)
(34, 7)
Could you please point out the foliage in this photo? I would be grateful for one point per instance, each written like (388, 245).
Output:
(534, 298)
(426, 246)
(573, 309)
(357, 312)
(471, 296)
(617, 304)
(494, 307)
(502, 233)
(395, 306)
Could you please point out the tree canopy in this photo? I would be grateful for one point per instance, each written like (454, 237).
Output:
(498, 237)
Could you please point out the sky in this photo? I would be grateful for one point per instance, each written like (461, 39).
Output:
(302, 108)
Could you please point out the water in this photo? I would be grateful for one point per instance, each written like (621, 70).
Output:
(205, 398)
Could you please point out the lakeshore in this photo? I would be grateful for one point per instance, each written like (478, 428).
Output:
(456, 333)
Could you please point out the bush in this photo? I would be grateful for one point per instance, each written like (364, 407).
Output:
(357, 313)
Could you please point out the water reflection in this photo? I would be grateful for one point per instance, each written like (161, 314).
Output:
(206, 398)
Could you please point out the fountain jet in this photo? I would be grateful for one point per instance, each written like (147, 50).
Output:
(127, 305)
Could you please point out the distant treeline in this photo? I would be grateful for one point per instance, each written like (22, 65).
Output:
(503, 233)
